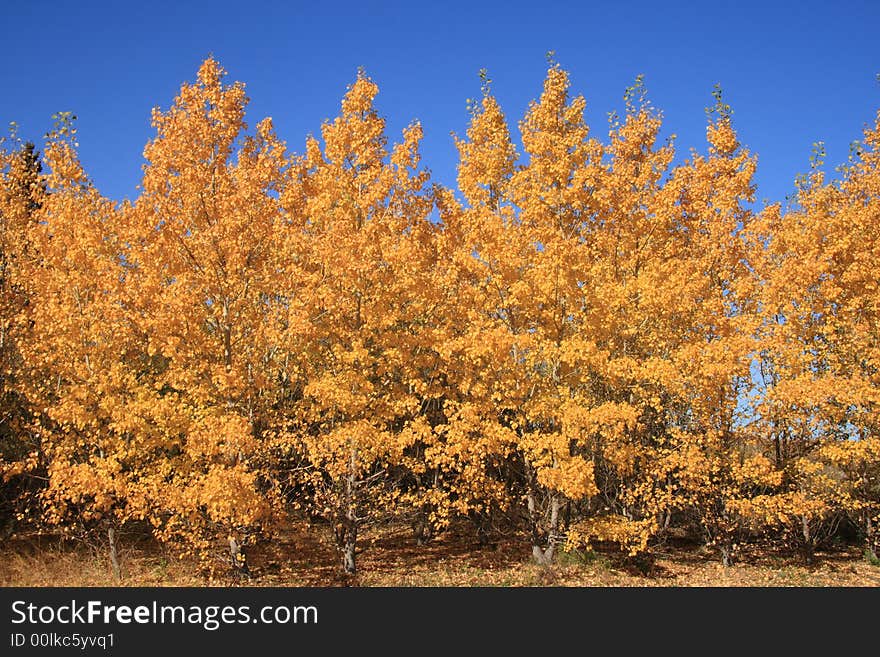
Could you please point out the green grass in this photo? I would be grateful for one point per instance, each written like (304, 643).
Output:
(584, 558)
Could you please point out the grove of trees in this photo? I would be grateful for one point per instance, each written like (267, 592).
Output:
(588, 341)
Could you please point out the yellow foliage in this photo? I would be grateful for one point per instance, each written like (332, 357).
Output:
(596, 336)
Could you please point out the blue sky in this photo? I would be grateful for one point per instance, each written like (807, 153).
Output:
(794, 72)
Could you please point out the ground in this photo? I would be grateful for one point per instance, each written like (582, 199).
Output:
(306, 557)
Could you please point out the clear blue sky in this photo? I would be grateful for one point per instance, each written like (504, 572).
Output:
(794, 72)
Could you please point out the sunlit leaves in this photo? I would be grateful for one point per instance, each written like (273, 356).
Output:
(599, 340)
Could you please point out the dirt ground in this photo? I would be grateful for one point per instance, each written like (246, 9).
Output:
(306, 557)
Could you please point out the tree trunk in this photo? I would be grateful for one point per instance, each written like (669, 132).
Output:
(422, 528)
(348, 555)
(552, 530)
(237, 558)
(532, 506)
(808, 540)
(114, 559)
(544, 549)
(871, 539)
(350, 522)
(725, 550)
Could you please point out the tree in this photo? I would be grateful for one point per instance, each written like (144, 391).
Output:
(544, 299)
(627, 331)
(21, 192)
(717, 464)
(203, 239)
(76, 347)
(366, 238)
(473, 456)
(820, 347)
